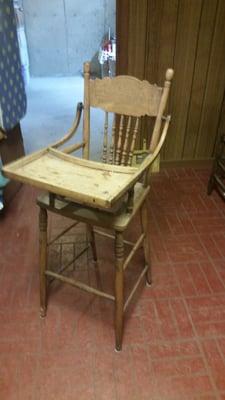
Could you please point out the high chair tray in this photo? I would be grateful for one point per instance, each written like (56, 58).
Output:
(87, 182)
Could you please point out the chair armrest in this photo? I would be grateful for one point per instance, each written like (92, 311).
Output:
(72, 130)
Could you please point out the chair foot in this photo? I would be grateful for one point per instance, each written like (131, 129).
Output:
(43, 312)
(118, 349)
(148, 277)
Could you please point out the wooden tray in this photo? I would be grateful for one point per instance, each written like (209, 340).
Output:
(87, 182)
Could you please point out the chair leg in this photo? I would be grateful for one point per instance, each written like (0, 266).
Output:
(119, 288)
(43, 221)
(144, 224)
(91, 237)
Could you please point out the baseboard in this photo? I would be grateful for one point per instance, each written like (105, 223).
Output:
(187, 163)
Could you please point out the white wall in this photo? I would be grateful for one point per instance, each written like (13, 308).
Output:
(62, 34)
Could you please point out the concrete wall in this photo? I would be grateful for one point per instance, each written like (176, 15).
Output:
(62, 34)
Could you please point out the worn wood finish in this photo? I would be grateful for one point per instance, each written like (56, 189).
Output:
(112, 145)
(187, 35)
(43, 221)
(119, 289)
(91, 237)
(107, 194)
(126, 141)
(86, 119)
(119, 143)
(72, 130)
(62, 233)
(118, 220)
(105, 141)
(133, 251)
(135, 131)
(137, 283)
(53, 170)
(79, 285)
(125, 95)
(144, 223)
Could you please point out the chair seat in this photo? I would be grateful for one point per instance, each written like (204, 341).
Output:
(98, 217)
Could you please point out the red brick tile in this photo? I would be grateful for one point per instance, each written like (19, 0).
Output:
(104, 374)
(70, 353)
(143, 376)
(173, 349)
(183, 318)
(205, 397)
(158, 250)
(179, 223)
(8, 377)
(211, 246)
(168, 325)
(210, 329)
(218, 239)
(184, 248)
(20, 331)
(164, 285)
(199, 279)
(210, 221)
(207, 314)
(57, 384)
(27, 374)
(124, 375)
(179, 367)
(215, 362)
(185, 279)
(220, 268)
(212, 276)
(188, 386)
(163, 224)
(133, 330)
(221, 343)
(207, 301)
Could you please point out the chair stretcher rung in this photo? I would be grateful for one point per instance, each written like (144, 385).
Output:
(62, 233)
(221, 185)
(135, 288)
(79, 285)
(221, 165)
(133, 251)
(101, 233)
(64, 268)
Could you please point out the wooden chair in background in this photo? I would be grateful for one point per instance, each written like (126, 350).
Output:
(105, 194)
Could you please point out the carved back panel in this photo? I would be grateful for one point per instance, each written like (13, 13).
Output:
(125, 95)
(129, 99)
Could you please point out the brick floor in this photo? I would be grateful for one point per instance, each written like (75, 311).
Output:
(174, 338)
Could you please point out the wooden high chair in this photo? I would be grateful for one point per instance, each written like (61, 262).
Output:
(107, 194)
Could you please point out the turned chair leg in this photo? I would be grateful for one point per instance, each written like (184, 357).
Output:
(119, 289)
(43, 221)
(144, 225)
(91, 237)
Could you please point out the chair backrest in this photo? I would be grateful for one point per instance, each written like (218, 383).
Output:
(129, 99)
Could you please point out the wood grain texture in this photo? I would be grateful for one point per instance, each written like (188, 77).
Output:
(122, 29)
(125, 95)
(95, 184)
(214, 91)
(189, 36)
(203, 50)
(137, 38)
(189, 13)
